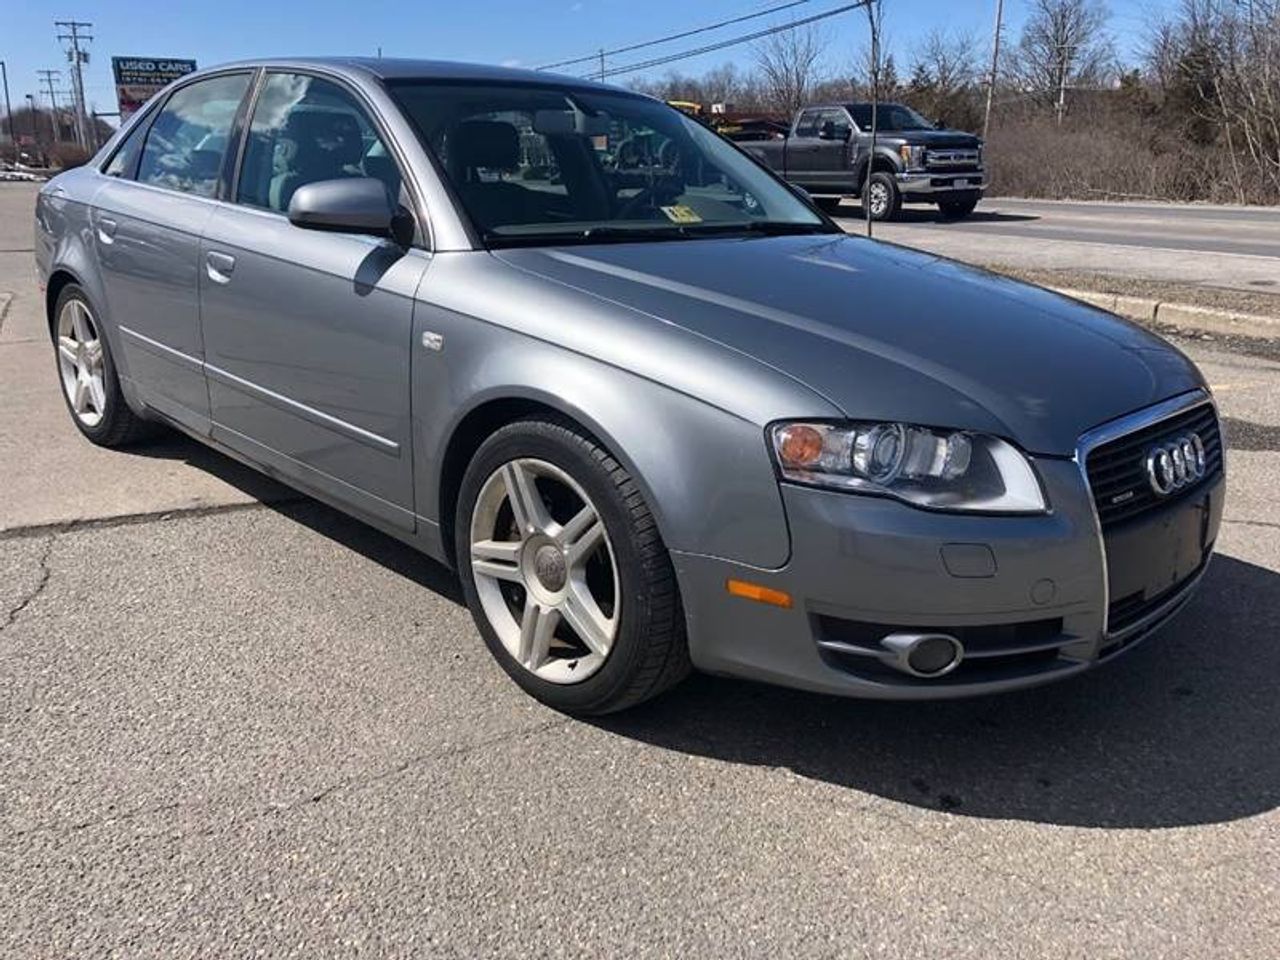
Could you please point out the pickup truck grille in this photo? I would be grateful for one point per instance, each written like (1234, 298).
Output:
(1117, 471)
(951, 159)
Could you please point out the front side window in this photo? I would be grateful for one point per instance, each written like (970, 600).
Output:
(807, 126)
(839, 121)
(189, 138)
(533, 163)
(306, 129)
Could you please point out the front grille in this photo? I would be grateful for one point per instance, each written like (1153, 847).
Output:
(951, 159)
(1128, 610)
(1117, 470)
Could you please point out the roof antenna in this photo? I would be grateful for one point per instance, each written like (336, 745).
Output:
(379, 53)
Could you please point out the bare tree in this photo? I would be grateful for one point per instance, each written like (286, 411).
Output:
(945, 77)
(1064, 44)
(788, 62)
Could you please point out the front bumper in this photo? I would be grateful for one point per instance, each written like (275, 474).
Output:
(1027, 596)
(931, 184)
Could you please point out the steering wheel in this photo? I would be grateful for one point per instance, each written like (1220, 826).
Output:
(647, 195)
(660, 190)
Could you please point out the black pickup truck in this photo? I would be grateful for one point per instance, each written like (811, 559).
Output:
(828, 153)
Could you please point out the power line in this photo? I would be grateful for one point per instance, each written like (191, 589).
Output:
(721, 45)
(601, 54)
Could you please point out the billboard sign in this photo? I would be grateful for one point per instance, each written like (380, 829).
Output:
(139, 78)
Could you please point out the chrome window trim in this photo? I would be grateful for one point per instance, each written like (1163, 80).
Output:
(1114, 430)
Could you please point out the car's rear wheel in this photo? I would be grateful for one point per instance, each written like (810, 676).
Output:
(87, 372)
(882, 197)
(565, 573)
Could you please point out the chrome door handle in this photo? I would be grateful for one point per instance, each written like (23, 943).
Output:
(219, 266)
(107, 229)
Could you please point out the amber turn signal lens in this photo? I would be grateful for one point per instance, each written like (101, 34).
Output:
(761, 594)
(801, 446)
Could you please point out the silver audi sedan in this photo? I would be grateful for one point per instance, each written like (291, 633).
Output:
(658, 411)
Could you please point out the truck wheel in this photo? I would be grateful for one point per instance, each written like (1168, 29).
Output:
(828, 204)
(882, 196)
(957, 209)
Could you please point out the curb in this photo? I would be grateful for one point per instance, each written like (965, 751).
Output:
(1181, 316)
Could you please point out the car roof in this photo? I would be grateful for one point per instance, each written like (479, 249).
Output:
(395, 68)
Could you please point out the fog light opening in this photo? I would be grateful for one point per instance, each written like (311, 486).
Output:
(925, 655)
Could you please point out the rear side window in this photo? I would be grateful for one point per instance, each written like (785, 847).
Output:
(189, 138)
(306, 129)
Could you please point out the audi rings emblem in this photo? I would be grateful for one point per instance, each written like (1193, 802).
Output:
(1176, 464)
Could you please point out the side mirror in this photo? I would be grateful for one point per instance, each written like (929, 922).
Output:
(354, 205)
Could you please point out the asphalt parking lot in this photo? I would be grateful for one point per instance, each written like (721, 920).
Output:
(234, 722)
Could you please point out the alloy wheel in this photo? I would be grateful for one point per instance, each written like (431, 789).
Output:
(545, 571)
(81, 363)
(879, 195)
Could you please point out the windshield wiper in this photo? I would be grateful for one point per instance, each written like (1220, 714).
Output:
(597, 234)
(769, 228)
(608, 233)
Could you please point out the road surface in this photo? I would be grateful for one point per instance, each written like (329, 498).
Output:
(1233, 247)
(236, 723)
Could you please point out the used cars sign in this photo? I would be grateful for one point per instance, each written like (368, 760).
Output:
(139, 78)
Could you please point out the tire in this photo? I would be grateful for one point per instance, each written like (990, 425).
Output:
(506, 573)
(957, 209)
(87, 373)
(882, 194)
(829, 205)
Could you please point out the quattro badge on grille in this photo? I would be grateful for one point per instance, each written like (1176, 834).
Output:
(1176, 464)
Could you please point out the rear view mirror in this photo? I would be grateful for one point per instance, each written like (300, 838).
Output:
(352, 205)
(563, 123)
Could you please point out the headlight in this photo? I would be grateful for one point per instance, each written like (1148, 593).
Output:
(937, 469)
(912, 157)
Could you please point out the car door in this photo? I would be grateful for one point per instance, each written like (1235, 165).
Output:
(307, 333)
(147, 219)
(803, 148)
(831, 159)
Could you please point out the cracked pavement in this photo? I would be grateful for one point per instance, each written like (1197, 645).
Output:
(234, 722)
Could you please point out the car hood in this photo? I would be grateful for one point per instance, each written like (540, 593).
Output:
(938, 139)
(883, 332)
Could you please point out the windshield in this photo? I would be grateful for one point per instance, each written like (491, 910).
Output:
(538, 163)
(890, 118)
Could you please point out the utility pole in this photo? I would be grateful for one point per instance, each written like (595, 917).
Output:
(602, 64)
(74, 35)
(8, 111)
(48, 77)
(995, 66)
(874, 20)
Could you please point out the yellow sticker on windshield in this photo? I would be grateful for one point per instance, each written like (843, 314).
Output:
(679, 213)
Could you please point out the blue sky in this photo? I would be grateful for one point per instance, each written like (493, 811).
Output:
(528, 32)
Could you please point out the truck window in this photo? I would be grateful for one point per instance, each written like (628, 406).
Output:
(807, 126)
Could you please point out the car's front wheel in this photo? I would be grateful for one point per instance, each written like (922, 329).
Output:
(87, 371)
(565, 573)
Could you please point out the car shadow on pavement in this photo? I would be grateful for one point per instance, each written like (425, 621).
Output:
(1183, 730)
(324, 520)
